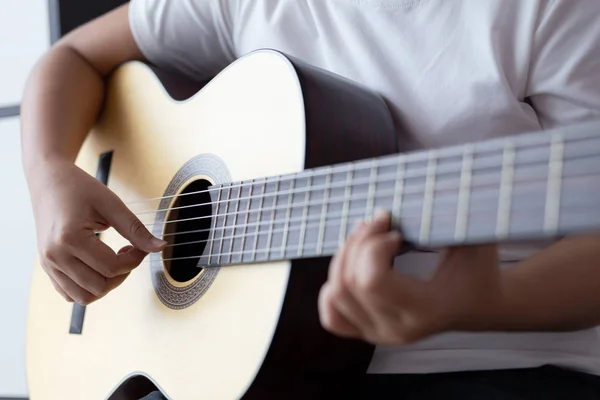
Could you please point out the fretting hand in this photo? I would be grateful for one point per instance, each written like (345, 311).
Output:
(69, 207)
(365, 298)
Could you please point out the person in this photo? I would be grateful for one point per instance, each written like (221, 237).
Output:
(490, 321)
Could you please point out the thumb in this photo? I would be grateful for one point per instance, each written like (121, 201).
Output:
(127, 224)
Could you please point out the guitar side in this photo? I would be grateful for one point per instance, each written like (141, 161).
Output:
(254, 331)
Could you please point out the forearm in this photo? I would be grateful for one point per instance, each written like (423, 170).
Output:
(61, 101)
(557, 289)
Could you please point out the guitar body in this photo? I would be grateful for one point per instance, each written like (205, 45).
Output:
(243, 331)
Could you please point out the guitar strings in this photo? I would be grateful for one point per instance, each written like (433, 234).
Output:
(296, 227)
(420, 173)
(518, 143)
(413, 189)
(404, 206)
(282, 250)
(255, 235)
(391, 177)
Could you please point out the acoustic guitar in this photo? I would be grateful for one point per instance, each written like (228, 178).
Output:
(255, 179)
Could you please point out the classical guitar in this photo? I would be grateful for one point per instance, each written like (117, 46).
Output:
(255, 180)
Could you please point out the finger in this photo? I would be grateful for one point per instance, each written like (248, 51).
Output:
(375, 248)
(60, 290)
(332, 319)
(102, 259)
(57, 287)
(339, 298)
(373, 276)
(88, 279)
(73, 290)
(127, 224)
(380, 223)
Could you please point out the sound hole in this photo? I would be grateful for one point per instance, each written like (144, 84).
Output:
(187, 231)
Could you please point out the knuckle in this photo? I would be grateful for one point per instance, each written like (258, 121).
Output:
(327, 319)
(136, 227)
(100, 289)
(47, 254)
(371, 248)
(112, 272)
(63, 237)
(367, 282)
(85, 299)
(338, 292)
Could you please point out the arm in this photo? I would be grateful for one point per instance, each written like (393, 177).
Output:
(62, 99)
(65, 90)
(557, 289)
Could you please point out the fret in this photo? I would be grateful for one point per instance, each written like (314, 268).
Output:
(506, 189)
(372, 186)
(214, 227)
(224, 232)
(427, 212)
(288, 213)
(235, 215)
(322, 223)
(271, 224)
(466, 177)
(399, 190)
(258, 217)
(246, 218)
(554, 186)
(346, 205)
(304, 215)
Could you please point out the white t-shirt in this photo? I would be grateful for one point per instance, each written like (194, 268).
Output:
(452, 71)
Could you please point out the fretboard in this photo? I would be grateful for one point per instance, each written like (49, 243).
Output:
(533, 186)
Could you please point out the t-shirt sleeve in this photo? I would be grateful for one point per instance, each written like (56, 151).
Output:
(192, 37)
(564, 79)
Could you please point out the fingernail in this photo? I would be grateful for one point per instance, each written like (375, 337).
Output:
(158, 242)
(381, 214)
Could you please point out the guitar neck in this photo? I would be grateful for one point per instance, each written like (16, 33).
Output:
(533, 186)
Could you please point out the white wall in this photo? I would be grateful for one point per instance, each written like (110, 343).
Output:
(17, 247)
(24, 36)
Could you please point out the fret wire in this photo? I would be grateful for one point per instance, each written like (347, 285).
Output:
(224, 225)
(246, 222)
(258, 217)
(413, 218)
(391, 177)
(346, 206)
(466, 177)
(322, 224)
(287, 219)
(270, 233)
(506, 188)
(372, 185)
(235, 215)
(554, 187)
(304, 215)
(427, 214)
(213, 230)
(398, 191)
(412, 205)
